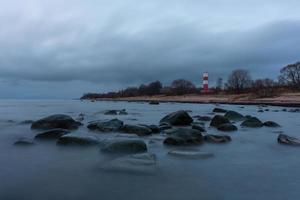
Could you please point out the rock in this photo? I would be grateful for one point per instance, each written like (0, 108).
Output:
(24, 142)
(106, 126)
(123, 112)
(56, 121)
(179, 118)
(267, 110)
(111, 112)
(80, 117)
(82, 140)
(203, 118)
(154, 128)
(285, 139)
(190, 154)
(154, 102)
(260, 111)
(218, 120)
(136, 129)
(124, 146)
(52, 134)
(198, 127)
(219, 110)
(144, 163)
(227, 127)
(217, 138)
(184, 136)
(233, 115)
(27, 122)
(165, 127)
(284, 109)
(271, 124)
(252, 122)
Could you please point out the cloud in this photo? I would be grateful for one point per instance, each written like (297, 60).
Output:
(125, 43)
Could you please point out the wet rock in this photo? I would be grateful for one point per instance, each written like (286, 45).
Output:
(124, 146)
(227, 127)
(260, 111)
(82, 140)
(190, 154)
(285, 139)
(179, 118)
(218, 120)
(294, 110)
(80, 117)
(271, 124)
(111, 112)
(252, 122)
(143, 163)
(165, 127)
(154, 128)
(106, 126)
(184, 136)
(267, 110)
(56, 121)
(233, 115)
(203, 118)
(123, 112)
(24, 142)
(198, 127)
(154, 102)
(52, 134)
(284, 110)
(136, 129)
(219, 110)
(217, 138)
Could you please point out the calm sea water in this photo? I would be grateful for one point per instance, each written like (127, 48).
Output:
(252, 166)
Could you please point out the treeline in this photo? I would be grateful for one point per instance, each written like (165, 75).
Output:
(238, 82)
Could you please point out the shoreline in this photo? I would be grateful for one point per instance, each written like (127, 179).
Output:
(283, 100)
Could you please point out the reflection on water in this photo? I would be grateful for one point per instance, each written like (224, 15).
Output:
(252, 166)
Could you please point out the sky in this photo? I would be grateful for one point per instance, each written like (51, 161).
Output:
(62, 49)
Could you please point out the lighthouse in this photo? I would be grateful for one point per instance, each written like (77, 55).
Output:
(205, 82)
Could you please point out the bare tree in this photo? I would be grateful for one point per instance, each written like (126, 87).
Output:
(181, 86)
(290, 75)
(239, 80)
(265, 88)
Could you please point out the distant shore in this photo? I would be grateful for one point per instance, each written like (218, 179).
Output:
(285, 99)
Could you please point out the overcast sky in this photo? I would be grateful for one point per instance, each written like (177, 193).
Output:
(62, 49)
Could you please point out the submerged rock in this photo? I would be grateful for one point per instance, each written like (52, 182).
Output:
(285, 139)
(136, 129)
(252, 122)
(153, 128)
(217, 138)
(24, 142)
(227, 127)
(111, 112)
(82, 140)
(184, 136)
(233, 115)
(124, 146)
(218, 120)
(52, 134)
(271, 124)
(154, 102)
(106, 126)
(190, 154)
(219, 110)
(56, 121)
(203, 118)
(198, 127)
(179, 118)
(143, 163)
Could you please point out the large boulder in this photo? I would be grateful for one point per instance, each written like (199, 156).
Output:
(76, 139)
(106, 126)
(219, 110)
(252, 122)
(183, 136)
(217, 138)
(190, 154)
(179, 118)
(271, 124)
(233, 115)
(52, 134)
(143, 163)
(227, 127)
(136, 129)
(122, 146)
(218, 120)
(285, 139)
(56, 121)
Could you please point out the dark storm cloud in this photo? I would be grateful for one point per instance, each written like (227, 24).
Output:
(129, 43)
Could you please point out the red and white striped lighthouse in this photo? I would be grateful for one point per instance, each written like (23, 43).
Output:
(205, 82)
